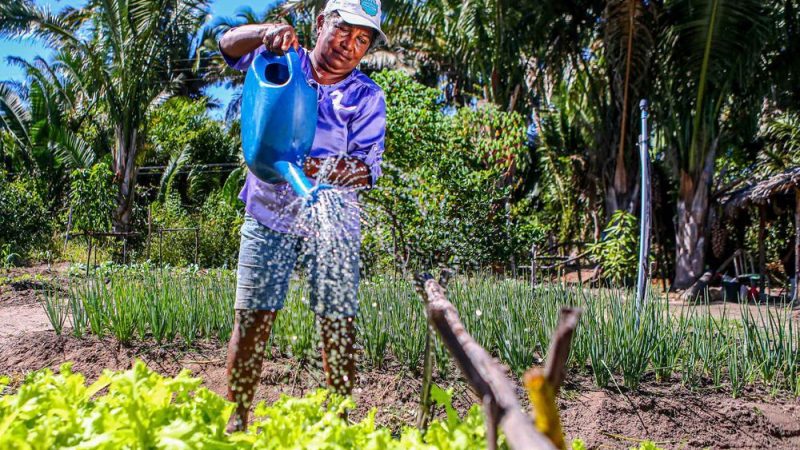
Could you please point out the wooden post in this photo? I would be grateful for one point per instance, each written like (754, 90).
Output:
(423, 416)
(533, 265)
(481, 371)
(560, 344)
(196, 244)
(762, 253)
(543, 384)
(796, 298)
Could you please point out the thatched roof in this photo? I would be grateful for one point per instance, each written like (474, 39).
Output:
(760, 193)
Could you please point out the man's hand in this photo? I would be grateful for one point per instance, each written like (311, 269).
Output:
(276, 37)
(279, 38)
(343, 172)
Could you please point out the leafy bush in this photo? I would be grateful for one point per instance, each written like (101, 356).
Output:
(176, 248)
(91, 198)
(618, 251)
(139, 408)
(181, 133)
(220, 222)
(449, 181)
(25, 221)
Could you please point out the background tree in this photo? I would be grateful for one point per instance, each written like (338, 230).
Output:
(123, 54)
(705, 64)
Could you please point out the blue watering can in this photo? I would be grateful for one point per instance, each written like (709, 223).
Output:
(279, 119)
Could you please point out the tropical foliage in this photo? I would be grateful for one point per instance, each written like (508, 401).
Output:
(463, 180)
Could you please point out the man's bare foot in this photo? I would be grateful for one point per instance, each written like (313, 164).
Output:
(236, 423)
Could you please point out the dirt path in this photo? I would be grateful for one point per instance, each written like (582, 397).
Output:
(20, 310)
(18, 320)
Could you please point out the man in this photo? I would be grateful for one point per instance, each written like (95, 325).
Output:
(346, 153)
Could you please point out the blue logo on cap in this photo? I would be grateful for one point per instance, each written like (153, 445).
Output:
(370, 7)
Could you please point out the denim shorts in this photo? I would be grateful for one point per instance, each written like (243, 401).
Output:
(267, 260)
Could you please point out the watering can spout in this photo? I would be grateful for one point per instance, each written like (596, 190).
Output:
(279, 120)
(297, 179)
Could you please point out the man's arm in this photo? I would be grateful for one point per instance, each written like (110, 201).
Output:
(277, 38)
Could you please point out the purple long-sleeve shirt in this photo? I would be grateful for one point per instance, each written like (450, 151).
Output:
(352, 123)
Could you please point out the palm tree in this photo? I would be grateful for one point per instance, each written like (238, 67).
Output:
(706, 66)
(627, 49)
(121, 44)
(42, 119)
(782, 149)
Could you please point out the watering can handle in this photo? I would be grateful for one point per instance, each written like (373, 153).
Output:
(295, 66)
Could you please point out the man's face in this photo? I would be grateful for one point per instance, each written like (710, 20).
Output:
(341, 45)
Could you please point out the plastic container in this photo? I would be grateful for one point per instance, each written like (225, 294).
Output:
(279, 120)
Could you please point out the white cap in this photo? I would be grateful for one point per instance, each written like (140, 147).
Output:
(365, 13)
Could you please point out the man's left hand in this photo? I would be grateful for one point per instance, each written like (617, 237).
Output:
(344, 172)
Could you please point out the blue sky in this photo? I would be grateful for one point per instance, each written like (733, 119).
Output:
(29, 48)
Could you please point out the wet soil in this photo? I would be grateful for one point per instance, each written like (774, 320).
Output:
(668, 413)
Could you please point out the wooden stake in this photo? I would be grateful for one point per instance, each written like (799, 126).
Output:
(543, 384)
(481, 371)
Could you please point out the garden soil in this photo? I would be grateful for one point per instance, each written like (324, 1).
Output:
(667, 413)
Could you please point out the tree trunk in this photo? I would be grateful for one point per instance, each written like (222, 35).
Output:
(125, 173)
(690, 239)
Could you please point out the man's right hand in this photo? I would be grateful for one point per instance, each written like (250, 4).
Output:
(279, 38)
(276, 37)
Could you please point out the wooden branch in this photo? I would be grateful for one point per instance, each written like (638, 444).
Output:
(557, 355)
(480, 370)
(697, 288)
(424, 413)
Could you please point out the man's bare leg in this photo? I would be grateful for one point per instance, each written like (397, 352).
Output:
(246, 351)
(338, 353)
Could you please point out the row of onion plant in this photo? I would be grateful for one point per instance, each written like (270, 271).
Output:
(615, 342)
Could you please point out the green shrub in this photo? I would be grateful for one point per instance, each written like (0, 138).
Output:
(181, 133)
(448, 185)
(91, 198)
(173, 248)
(26, 224)
(618, 251)
(220, 222)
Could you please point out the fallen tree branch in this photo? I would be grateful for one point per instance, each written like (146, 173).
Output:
(481, 371)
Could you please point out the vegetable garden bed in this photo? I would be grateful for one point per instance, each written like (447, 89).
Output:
(675, 414)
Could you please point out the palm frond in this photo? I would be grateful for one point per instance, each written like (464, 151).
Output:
(704, 57)
(174, 166)
(14, 114)
(71, 150)
(22, 18)
(233, 184)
